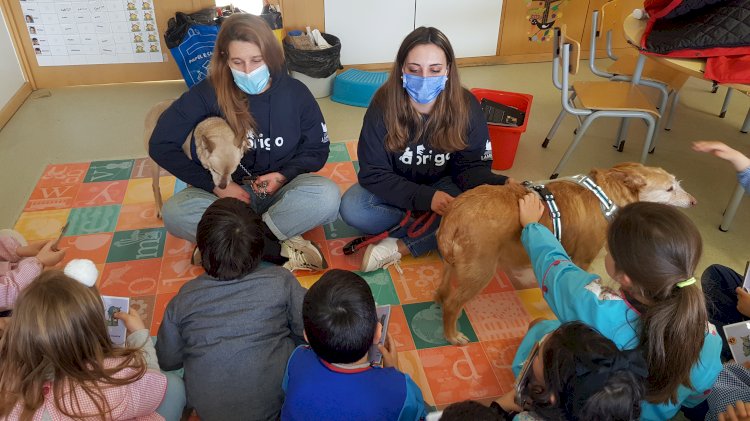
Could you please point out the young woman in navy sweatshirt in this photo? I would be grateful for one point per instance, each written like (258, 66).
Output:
(247, 85)
(424, 140)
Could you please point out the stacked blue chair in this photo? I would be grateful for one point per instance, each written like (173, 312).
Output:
(357, 87)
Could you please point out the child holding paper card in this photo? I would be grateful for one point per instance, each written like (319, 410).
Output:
(57, 360)
(334, 374)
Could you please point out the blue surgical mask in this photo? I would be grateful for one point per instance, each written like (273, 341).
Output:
(424, 89)
(254, 82)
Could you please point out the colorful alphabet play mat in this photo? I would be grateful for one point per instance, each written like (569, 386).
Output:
(112, 220)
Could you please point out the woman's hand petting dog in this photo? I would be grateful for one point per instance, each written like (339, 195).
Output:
(530, 209)
(273, 182)
(440, 202)
(233, 190)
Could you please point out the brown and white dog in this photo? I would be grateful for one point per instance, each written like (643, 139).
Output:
(481, 231)
(217, 148)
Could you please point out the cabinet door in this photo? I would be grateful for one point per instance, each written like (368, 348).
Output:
(472, 26)
(370, 31)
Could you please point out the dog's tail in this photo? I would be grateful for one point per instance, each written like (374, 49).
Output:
(446, 235)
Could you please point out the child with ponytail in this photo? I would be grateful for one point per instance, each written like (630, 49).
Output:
(658, 307)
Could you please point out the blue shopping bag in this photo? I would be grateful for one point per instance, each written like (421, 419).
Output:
(194, 53)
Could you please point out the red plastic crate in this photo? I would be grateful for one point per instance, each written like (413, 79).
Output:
(504, 140)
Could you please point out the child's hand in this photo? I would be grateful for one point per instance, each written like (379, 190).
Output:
(721, 150)
(30, 250)
(743, 301)
(530, 209)
(737, 412)
(132, 320)
(508, 402)
(390, 355)
(48, 257)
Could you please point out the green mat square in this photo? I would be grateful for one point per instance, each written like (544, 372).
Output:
(92, 220)
(356, 166)
(382, 287)
(109, 170)
(339, 229)
(147, 243)
(338, 153)
(425, 322)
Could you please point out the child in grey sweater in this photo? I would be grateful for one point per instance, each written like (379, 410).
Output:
(233, 328)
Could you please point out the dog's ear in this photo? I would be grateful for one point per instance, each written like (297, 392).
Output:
(630, 175)
(208, 145)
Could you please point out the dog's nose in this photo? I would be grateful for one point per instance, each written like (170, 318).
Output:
(693, 201)
(223, 185)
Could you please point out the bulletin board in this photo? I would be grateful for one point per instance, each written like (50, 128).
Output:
(130, 66)
(64, 32)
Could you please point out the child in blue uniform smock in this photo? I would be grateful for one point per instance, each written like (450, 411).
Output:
(653, 252)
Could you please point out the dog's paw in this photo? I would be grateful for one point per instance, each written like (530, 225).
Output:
(458, 339)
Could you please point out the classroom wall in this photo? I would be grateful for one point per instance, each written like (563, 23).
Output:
(12, 79)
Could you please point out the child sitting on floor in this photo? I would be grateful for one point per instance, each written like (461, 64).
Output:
(234, 328)
(332, 379)
(565, 372)
(21, 263)
(658, 309)
(57, 360)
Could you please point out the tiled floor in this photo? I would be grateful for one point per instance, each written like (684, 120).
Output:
(109, 206)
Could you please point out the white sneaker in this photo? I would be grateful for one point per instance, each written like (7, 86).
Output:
(15, 235)
(381, 255)
(302, 254)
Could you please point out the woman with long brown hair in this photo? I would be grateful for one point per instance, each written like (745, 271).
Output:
(247, 85)
(654, 306)
(57, 360)
(424, 140)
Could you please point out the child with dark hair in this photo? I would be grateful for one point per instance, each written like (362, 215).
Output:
(566, 372)
(234, 328)
(333, 378)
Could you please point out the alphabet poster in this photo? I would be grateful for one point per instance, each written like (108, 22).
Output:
(67, 33)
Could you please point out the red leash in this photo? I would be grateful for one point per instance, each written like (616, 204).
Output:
(417, 228)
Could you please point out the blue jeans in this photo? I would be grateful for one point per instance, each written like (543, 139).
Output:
(302, 204)
(372, 215)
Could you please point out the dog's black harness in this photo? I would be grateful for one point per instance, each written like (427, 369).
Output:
(608, 207)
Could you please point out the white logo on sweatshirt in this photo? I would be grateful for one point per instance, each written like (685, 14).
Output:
(423, 159)
(264, 143)
(487, 155)
(325, 133)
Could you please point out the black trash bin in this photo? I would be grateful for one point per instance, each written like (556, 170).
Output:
(316, 68)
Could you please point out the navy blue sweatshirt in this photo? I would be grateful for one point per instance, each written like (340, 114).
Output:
(291, 139)
(404, 179)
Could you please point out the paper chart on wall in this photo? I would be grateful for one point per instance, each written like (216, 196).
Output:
(66, 33)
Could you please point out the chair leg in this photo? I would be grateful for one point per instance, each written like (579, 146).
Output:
(622, 133)
(725, 105)
(675, 100)
(663, 108)
(746, 125)
(586, 123)
(731, 209)
(714, 87)
(554, 128)
(648, 144)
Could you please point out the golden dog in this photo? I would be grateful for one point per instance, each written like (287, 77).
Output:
(481, 230)
(217, 148)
